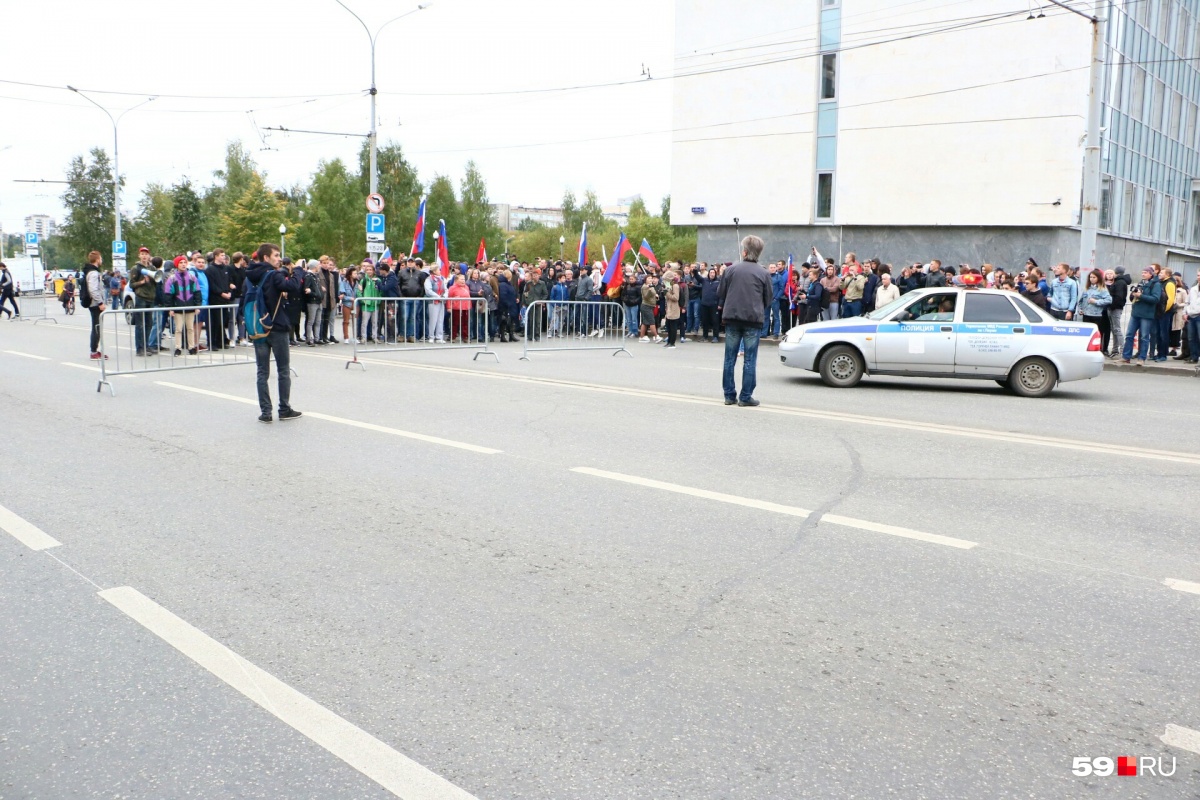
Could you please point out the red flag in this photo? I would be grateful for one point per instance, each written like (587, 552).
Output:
(482, 254)
(443, 249)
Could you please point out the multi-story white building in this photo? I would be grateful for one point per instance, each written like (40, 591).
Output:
(41, 224)
(510, 217)
(927, 129)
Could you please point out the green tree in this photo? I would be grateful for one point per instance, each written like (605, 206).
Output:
(572, 220)
(478, 218)
(442, 204)
(638, 208)
(542, 242)
(89, 203)
(187, 230)
(333, 216)
(665, 213)
(253, 218)
(398, 183)
(152, 225)
(232, 181)
(530, 224)
(592, 213)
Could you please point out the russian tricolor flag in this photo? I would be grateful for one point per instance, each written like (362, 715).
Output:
(581, 259)
(443, 249)
(612, 275)
(386, 258)
(645, 251)
(419, 232)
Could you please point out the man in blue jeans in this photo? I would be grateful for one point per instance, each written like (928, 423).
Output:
(275, 287)
(1144, 300)
(744, 295)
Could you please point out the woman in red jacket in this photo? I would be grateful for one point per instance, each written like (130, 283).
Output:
(460, 309)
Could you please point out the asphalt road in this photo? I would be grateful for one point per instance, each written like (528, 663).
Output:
(584, 576)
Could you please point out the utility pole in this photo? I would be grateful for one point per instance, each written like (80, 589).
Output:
(1089, 212)
(373, 37)
(116, 156)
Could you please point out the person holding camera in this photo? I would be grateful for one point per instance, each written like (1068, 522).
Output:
(1143, 300)
(275, 287)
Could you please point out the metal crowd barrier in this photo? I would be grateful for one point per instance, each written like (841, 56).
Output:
(574, 325)
(154, 339)
(408, 324)
(36, 303)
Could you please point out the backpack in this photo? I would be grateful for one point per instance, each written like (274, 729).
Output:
(258, 322)
(1160, 308)
(85, 293)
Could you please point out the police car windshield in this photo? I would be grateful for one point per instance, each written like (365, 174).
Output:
(881, 313)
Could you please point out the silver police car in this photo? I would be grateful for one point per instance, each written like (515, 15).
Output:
(950, 332)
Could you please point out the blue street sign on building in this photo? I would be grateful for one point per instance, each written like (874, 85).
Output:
(119, 249)
(375, 223)
(31, 238)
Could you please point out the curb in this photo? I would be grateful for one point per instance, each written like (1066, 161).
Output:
(1189, 371)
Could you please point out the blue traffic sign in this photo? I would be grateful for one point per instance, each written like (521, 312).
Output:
(118, 249)
(375, 223)
(31, 238)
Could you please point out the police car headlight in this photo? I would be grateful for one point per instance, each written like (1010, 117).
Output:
(794, 335)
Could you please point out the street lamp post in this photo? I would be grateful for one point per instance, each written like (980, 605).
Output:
(372, 138)
(116, 157)
(561, 241)
(282, 241)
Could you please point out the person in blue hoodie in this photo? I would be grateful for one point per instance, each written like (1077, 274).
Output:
(778, 287)
(275, 287)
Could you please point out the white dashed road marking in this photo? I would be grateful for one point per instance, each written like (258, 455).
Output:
(27, 355)
(395, 772)
(369, 426)
(776, 508)
(1183, 586)
(26, 533)
(1183, 738)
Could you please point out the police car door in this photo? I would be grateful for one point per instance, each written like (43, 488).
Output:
(991, 336)
(919, 337)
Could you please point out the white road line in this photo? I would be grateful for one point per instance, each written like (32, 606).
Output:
(474, 448)
(794, 511)
(27, 355)
(393, 771)
(1183, 586)
(80, 366)
(915, 426)
(1183, 738)
(26, 533)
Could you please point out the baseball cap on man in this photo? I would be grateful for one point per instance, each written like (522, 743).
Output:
(143, 249)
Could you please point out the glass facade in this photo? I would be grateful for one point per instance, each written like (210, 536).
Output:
(827, 109)
(1150, 149)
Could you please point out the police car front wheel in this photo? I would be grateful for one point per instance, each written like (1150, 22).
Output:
(1033, 377)
(841, 366)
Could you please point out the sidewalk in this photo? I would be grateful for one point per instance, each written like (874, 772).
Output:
(1169, 367)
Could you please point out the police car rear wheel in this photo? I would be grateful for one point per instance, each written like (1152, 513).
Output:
(841, 367)
(1033, 378)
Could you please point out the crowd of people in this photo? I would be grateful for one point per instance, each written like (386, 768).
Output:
(408, 301)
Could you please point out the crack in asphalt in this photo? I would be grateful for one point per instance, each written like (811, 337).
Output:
(763, 566)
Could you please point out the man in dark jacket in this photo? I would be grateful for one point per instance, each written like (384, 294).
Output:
(276, 287)
(219, 293)
(1144, 300)
(412, 310)
(236, 272)
(745, 294)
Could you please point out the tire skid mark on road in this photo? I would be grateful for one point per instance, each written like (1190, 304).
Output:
(392, 770)
(915, 426)
(776, 508)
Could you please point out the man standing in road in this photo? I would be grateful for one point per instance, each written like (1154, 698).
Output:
(220, 291)
(744, 295)
(1064, 293)
(1144, 301)
(95, 299)
(276, 287)
(141, 280)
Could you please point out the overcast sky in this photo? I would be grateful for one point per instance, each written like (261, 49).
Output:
(307, 64)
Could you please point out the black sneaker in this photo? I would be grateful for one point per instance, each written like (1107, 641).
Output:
(291, 413)
(266, 417)
(730, 401)
(751, 402)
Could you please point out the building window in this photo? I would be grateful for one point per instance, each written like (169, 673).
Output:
(1196, 218)
(1106, 203)
(829, 76)
(1127, 209)
(828, 3)
(1147, 213)
(824, 195)
(1137, 93)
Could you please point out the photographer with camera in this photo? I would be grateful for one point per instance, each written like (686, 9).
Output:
(1143, 300)
(141, 280)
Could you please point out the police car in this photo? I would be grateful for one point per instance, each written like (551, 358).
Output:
(950, 332)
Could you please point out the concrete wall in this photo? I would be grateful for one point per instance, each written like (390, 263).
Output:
(1005, 247)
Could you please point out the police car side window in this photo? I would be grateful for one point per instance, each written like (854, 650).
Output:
(1031, 313)
(930, 308)
(989, 308)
